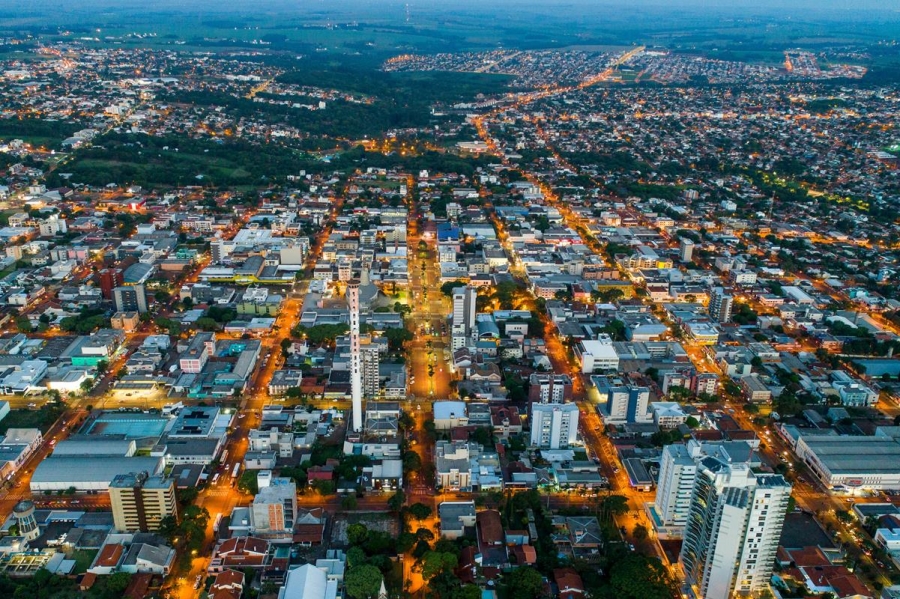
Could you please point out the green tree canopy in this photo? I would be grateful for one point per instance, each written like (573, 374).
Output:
(362, 582)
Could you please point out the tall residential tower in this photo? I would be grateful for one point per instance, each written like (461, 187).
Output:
(355, 358)
(733, 528)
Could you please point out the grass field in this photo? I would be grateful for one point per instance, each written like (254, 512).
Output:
(83, 560)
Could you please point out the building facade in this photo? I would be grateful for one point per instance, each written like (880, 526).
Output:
(554, 426)
(139, 502)
(733, 528)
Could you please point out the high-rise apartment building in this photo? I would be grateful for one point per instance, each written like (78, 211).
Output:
(720, 304)
(369, 362)
(462, 319)
(110, 278)
(131, 298)
(733, 528)
(549, 387)
(139, 502)
(686, 250)
(554, 426)
(625, 403)
(677, 473)
(356, 392)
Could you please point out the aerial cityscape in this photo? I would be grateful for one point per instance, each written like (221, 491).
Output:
(352, 300)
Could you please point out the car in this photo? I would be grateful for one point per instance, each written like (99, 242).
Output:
(198, 581)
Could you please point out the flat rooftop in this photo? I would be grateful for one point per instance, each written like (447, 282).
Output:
(852, 455)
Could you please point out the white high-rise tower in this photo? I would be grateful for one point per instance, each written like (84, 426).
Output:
(355, 361)
(733, 527)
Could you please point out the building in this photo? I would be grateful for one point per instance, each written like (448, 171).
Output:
(852, 464)
(110, 278)
(140, 501)
(667, 414)
(132, 298)
(88, 473)
(462, 318)
(200, 348)
(686, 250)
(355, 357)
(369, 362)
(733, 529)
(554, 426)
(720, 304)
(549, 388)
(449, 414)
(308, 582)
(274, 511)
(625, 403)
(677, 473)
(125, 321)
(754, 389)
(456, 517)
(597, 355)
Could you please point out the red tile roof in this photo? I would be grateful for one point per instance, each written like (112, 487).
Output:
(569, 583)
(490, 527)
(110, 555)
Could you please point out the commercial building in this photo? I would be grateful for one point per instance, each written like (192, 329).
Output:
(720, 305)
(852, 463)
(132, 298)
(554, 426)
(733, 529)
(88, 472)
(140, 501)
(597, 355)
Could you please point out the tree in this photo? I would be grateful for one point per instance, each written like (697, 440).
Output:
(425, 534)
(639, 577)
(692, 422)
(248, 483)
(524, 583)
(102, 367)
(397, 337)
(362, 582)
(23, 324)
(640, 533)
(395, 503)
(614, 505)
(87, 384)
(419, 511)
(285, 347)
(357, 534)
(207, 324)
(435, 562)
(349, 503)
